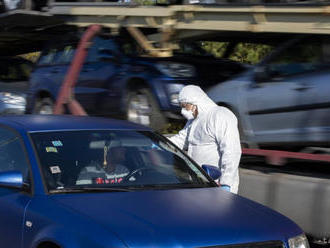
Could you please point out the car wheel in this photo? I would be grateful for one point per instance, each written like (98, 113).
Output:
(143, 109)
(44, 106)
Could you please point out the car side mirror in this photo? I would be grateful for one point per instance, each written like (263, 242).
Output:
(11, 179)
(212, 171)
(261, 74)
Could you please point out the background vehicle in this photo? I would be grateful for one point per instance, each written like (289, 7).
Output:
(42, 156)
(284, 100)
(116, 80)
(14, 75)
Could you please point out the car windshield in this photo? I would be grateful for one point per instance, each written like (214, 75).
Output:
(80, 161)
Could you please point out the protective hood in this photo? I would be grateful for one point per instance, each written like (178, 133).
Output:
(195, 95)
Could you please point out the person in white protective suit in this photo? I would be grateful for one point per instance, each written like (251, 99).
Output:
(210, 135)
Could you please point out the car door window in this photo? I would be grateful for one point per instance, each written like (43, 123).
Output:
(9, 72)
(12, 154)
(14, 70)
(47, 58)
(65, 54)
(304, 56)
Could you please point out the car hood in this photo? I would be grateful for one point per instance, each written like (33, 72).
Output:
(185, 217)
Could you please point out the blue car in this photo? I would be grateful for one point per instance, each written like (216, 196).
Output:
(118, 79)
(83, 182)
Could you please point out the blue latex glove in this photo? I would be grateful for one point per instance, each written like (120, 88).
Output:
(225, 187)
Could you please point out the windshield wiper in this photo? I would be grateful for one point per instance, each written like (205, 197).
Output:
(128, 188)
(90, 189)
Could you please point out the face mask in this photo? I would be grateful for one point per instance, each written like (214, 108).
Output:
(187, 114)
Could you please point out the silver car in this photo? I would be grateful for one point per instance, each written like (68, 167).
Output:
(285, 100)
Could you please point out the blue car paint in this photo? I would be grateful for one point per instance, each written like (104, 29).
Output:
(163, 218)
(121, 73)
(114, 83)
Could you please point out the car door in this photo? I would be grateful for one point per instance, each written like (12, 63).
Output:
(316, 120)
(94, 87)
(12, 201)
(50, 71)
(277, 103)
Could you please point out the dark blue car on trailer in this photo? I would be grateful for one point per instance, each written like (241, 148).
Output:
(118, 80)
(164, 200)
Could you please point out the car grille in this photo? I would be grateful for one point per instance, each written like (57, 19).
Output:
(269, 244)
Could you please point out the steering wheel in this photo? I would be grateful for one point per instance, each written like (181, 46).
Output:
(138, 171)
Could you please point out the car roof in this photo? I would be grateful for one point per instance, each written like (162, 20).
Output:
(41, 123)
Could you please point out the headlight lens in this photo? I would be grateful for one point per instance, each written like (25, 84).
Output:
(175, 99)
(176, 69)
(299, 242)
(11, 98)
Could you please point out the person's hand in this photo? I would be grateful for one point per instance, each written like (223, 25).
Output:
(225, 187)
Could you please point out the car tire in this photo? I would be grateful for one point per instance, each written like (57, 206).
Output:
(142, 108)
(44, 106)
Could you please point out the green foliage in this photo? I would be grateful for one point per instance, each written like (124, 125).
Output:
(173, 127)
(31, 56)
(216, 48)
(243, 52)
(250, 53)
(144, 2)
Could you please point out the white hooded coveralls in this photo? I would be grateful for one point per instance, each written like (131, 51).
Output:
(212, 138)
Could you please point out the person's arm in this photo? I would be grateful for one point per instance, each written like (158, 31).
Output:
(227, 138)
(180, 138)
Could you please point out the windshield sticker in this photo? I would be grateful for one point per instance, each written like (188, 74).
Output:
(55, 169)
(51, 149)
(57, 143)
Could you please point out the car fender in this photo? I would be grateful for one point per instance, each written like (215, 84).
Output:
(75, 231)
(61, 237)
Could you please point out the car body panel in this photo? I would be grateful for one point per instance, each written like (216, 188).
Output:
(105, 83)
(290, 106)
(12, 214)
(186, 213)
(163, 218)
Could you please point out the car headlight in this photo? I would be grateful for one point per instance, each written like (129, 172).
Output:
(11, 98)
(175, 99)
(176, 69)
(298, 242)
